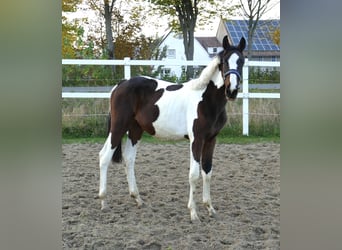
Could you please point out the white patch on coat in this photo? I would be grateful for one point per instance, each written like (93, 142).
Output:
(177, 111)
(232, 62)
(210, 72)
(113, 88)
(194, 174)
(129, 154)
(105, 156)
(206, 192)
(178, 108)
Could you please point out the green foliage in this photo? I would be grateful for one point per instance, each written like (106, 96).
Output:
(129, 42)
(69, 29)
(70, 5)
(256, 75)
(207, 10)
(276, 36)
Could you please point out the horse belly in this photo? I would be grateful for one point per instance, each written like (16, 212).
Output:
(171, 122)
(170, 125)
(174, 120)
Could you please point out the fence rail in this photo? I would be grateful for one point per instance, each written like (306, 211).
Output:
(127, 62)
(108, 88)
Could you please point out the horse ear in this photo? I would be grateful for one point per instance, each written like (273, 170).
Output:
(225, 43)
(242, 44)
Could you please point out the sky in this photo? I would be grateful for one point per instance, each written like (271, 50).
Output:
(150, 28)
(210, 30)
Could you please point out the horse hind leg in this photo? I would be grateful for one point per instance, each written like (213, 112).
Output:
(129, 155)
(105, 157)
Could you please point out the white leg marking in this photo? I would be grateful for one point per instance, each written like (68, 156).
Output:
(129, 154)
(105, 156)
(206, 192)
(193, 177)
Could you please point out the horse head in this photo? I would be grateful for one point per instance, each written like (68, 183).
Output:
(232, 61)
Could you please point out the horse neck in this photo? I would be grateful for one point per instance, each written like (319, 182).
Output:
(210, 73)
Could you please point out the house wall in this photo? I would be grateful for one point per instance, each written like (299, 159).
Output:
(221, 32)
(175, 42)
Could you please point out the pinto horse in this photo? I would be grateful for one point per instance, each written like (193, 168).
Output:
(194, 110)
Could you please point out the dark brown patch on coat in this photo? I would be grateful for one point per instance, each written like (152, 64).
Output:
(133, 109)
(174, 87)
(211, 119)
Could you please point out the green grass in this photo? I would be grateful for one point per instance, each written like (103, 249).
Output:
(149, 139)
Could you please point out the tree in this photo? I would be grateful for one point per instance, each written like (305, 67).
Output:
(186, 12)
(130, 42)
(185, 15)
(70, 30)
(253, 10)
(276, 36)
(90, 42)
(105, 8)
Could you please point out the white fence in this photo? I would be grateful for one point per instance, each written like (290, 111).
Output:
(245, 95)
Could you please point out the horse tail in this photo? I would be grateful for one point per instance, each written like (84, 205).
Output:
(117, 155)
(108, 123)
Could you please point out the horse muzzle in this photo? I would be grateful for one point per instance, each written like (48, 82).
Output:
(232, 94)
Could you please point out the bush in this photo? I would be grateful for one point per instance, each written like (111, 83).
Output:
(268, 75)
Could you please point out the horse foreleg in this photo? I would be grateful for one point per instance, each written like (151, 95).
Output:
(206, 193)
(193, 178)
(195, 156)
(207, 155)
(129, 154)
(105, 156)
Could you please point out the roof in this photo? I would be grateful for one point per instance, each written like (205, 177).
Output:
(209, 42)
(262, 40)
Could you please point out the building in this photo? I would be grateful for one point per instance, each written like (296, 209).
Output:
(204, 49)
(211, 45)
(263, 48)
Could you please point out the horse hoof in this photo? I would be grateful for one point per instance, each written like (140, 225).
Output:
(195, 221)
(104, 206)
(137, 199)
(105, 209)
(212, 212)
(195, 218)
(214, 216)
(140, 203)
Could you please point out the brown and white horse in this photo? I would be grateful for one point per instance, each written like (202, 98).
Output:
(194, 110)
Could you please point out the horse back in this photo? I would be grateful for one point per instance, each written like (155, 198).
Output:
(133, 101)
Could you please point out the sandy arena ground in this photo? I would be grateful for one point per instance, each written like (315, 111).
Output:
(245, 191)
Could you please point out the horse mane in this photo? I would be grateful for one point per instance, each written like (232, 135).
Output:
(209, 73)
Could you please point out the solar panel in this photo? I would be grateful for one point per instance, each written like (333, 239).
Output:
(262, 36)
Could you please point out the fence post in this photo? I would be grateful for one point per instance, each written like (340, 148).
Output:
(127, 67)
(245, 101)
